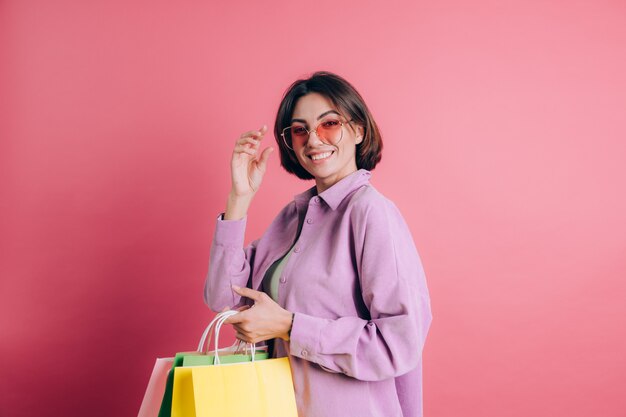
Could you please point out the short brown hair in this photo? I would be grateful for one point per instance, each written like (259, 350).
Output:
(347, 100)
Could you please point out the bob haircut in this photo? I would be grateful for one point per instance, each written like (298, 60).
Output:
(347, 101)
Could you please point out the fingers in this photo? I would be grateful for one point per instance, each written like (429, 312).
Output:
(256, 134)
(247, 145)
(250, 141)
(240, 309)
(234, 319)
(243, 337)
(245, 149)
(239, 317)
(247, 292)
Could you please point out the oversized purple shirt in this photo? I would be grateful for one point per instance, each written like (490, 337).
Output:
(357, 287)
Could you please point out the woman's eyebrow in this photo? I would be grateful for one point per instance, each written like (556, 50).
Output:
(318, 117)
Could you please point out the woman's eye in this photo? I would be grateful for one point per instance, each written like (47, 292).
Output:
(330, 123)
(298, 130)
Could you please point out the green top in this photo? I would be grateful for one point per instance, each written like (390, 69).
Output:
(272, 276)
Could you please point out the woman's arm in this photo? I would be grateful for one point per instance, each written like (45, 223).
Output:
(229, 262)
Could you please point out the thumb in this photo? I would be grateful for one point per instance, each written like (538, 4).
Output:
(264, 157)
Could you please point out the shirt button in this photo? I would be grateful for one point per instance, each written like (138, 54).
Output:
(304, 353)
(309, 221)
(316, 199)
(296, 249)
(283, 280)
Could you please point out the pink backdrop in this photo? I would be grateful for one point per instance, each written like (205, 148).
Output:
(505, 148)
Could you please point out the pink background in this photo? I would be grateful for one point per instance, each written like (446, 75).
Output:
(505, 149)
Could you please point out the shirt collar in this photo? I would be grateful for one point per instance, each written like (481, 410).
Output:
(336, 193)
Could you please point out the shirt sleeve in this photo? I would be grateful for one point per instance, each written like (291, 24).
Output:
(393, 287)
(229, 264)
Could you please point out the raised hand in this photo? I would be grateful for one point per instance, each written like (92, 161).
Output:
(247, 169)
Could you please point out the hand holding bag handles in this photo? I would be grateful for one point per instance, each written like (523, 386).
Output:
(218, 326)
(234, 352)
(262, 388)
(198, 358)
(208, 331)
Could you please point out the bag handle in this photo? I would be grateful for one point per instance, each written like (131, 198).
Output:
(219, 322)
(207, 333)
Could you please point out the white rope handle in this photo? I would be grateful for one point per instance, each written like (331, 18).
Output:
(218, 327)
(208, 333)
(220, 321)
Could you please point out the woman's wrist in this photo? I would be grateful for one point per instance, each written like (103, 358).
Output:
(288, 324)
(237, 207)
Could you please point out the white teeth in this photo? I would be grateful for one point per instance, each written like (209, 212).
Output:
(321, 156)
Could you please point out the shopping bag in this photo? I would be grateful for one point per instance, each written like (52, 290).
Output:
(178, 400)
(156, 388)
(166, 402)
(262, 388)
(195, 358)
(259, 388)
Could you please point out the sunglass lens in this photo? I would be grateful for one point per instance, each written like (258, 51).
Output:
(330, 131)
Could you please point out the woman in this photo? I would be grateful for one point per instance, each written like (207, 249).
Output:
(335, 281)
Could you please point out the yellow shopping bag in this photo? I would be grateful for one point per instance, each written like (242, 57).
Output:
(259, 389)
(262, 388)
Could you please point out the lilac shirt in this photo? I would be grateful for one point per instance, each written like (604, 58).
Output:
(356, 285)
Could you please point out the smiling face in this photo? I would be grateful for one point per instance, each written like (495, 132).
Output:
(326, 162)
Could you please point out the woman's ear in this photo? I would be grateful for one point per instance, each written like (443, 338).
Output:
(359, 134)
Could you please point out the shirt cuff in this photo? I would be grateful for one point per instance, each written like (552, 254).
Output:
(304, 340)
(230, 232)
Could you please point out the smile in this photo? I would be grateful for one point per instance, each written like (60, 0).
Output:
(320, 156)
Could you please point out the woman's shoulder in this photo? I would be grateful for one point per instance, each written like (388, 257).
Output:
(368, 201)
(369, 196)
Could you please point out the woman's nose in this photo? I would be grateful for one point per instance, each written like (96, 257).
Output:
(313, 139)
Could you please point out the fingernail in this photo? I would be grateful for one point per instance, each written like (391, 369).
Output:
(235, 287)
